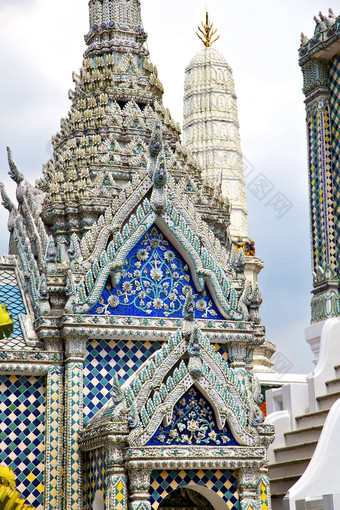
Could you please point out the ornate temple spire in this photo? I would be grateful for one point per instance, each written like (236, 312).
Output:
(117, 11)
(116, 102)
(103, 142)
(116, 135)
(116, 23)
(211, 127)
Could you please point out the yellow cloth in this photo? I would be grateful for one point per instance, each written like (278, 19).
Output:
(6, 323)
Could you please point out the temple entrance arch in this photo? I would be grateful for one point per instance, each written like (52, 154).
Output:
(193, 497)
(219, 487)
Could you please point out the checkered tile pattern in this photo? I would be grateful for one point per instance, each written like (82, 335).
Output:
(223, 350)
(321, 190)
(334, 101)
(54, 434)
(94, 476)
(263, 497)
(11, 295)
(74, 423)
(120, 499)
(105, 358)
(22, 433)
(224, 483)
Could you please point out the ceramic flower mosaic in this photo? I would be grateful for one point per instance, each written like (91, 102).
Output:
(155, 280)
(193, 422)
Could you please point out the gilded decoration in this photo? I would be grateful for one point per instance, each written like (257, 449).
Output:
(207, 34)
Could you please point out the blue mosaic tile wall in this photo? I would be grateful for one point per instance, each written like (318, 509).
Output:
(224, 483)
(11, 295)
(154, 283)
(94, 476)
(22, 433)
(104, 358)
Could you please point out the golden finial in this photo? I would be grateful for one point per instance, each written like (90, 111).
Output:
(208, 32)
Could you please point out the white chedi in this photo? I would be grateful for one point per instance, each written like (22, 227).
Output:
(211, 130)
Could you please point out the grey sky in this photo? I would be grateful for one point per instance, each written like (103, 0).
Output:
(41, 43)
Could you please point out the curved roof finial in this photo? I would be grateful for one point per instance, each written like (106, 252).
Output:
(208, 32)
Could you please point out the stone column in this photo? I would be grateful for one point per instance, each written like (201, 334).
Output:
(248, 489)
(74, 365)
(117, 496)
(139, 489)
(54, 439)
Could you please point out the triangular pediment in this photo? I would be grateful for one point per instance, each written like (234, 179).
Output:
(110, 248)
(193, 422)
(154, 283)
(186, 371)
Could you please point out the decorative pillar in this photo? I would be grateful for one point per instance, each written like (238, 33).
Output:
(54, 438)
(247, 482)
(263, 491)
(117, 495)
(139, 489)
(238, 354)
(74, 365)
(320, 86)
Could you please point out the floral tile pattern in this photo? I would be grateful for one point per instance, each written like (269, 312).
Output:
(193, 422)
(155, 280)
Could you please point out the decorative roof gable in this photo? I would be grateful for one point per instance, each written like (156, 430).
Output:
(193, 422)
(155, 280)
(112, 242)
(117, 169)
(187, 362)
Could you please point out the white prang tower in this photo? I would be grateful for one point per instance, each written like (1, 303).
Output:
(211, 133)
(211, 128)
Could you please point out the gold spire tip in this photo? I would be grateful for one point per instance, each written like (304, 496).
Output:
(206, 35)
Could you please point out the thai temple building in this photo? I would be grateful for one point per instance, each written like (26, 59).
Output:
(304, 459)
(127, 381)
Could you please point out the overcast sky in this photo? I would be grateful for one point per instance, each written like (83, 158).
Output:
(41, 43)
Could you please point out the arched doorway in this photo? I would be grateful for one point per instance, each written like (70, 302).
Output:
(98, 503)
(218, 487)
(184, 498)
